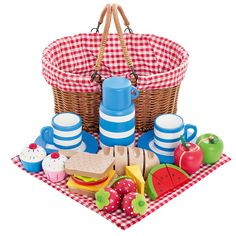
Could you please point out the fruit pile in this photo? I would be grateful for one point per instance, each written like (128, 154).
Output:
(122, 194)
(189, 156)
(161, 178)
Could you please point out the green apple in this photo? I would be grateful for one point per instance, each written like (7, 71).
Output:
(212, 147)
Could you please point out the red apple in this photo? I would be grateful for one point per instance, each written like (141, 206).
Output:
(188, 157)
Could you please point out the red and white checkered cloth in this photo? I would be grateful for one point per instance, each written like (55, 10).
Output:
(119, 217)
(68, 63)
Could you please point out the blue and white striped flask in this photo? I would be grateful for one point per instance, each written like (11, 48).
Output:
(117, 112)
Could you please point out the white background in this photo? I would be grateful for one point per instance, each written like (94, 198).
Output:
(207, 98)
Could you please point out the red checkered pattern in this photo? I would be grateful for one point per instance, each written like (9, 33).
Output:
(69, 62)
(119, 217)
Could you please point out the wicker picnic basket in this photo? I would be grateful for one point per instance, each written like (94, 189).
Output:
(75, 67)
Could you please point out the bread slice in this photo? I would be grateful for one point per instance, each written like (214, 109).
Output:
(89, 165)
(151, 160)
(136, 157)
(121, 159)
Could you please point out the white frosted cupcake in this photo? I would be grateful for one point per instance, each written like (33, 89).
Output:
(54, 167)
(31, 157)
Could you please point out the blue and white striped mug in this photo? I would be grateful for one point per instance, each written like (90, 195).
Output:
(65, 132)
(167, 131)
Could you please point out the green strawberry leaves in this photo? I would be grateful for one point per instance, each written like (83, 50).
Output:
(102, 198)
(139, 204)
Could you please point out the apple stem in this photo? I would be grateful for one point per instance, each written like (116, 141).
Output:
(188, 146)
(212, 139)
(183, 141)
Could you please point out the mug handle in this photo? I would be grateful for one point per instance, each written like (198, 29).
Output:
(193, 135)
(134, 92)
(47, 134)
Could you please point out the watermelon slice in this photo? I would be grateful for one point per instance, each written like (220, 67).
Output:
(178, 176)
(158, 182)
(164, 178)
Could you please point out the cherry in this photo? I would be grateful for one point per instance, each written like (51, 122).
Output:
(33, 146)
(55, 155)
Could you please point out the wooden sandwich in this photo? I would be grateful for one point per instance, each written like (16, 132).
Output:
(124, 156)
(89, 172)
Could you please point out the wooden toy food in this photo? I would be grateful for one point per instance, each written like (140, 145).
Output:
(89, 173)
(164, 178)
(135, 173)
(124, 185)
(188, 156)
(107, 200)
(212, 147)
(125, 156)
(134, 204)
(32, 157)
(54, 167)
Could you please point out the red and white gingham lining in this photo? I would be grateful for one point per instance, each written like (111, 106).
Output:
(119, 217)
(68, 63)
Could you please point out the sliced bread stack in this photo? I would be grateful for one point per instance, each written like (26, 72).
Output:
(126, 156)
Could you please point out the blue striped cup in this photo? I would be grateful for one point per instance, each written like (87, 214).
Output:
(167, 131)
(65, 132)
(117, 127)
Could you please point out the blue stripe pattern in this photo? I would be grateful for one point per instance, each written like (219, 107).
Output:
(110, 142)
(166, 140)
(61, 135)
(116, 129)
(164, 149)
(67, 138)
(68, 147)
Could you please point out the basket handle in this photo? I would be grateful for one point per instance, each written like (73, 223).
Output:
(122, 13)
(108, 10)
(129, 62)
(104, 11)
(100, 21)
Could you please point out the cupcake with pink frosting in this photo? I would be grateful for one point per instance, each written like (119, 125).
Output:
(54, 167)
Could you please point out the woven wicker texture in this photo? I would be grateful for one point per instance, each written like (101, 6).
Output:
(149, 104)
(160, 64)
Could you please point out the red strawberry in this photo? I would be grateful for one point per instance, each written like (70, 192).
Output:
(134, 204)
(124, 185)
(107, 200)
